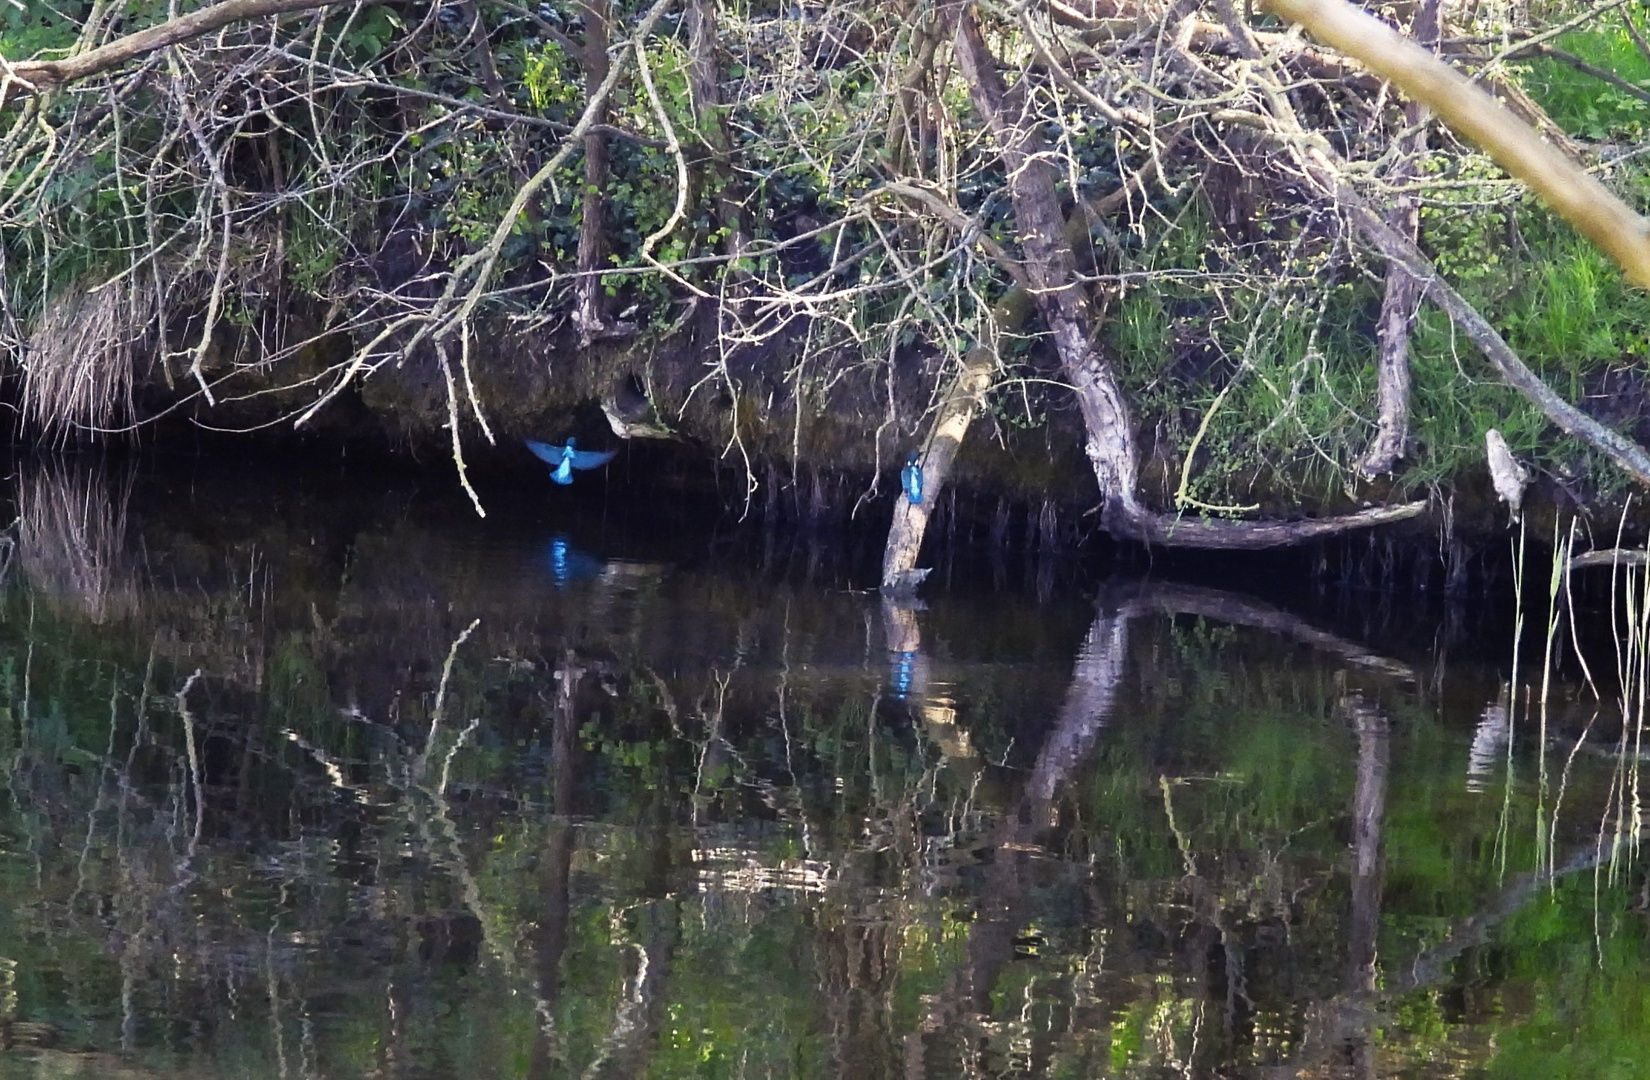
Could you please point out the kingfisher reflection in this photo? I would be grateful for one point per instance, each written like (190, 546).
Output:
(568, 564)
(911, 680)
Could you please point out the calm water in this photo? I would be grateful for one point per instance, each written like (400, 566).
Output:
(330, 779)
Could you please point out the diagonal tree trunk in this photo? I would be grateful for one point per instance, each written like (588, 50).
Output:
(1051, 265)
(962, 404)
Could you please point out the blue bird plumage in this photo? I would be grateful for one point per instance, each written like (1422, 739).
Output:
(900, 673)
(566, 458)
(910, 479)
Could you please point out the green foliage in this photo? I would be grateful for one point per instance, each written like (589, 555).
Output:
(1582, 104)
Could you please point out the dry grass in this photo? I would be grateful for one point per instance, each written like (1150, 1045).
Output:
(78, 373)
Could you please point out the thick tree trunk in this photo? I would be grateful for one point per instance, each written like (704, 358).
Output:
(589, 297)
(1402, 294)
(705, 83)
(1050, 263)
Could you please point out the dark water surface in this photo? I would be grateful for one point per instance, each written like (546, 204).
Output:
(318, 776)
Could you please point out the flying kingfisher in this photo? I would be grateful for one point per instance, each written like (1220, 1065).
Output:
(910, 478)
(566, 458)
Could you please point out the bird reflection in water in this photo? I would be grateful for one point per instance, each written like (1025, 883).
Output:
(568, 564)
(900, 667)
(911, 681)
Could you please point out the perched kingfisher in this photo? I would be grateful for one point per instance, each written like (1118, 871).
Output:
(910, 478)
(567, 458)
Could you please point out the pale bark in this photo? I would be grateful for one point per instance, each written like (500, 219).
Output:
(1401, 294)
(962, 404)
(1050, 264)
(1470, 112)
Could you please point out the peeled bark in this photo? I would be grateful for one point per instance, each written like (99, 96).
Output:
(1050, 264)
(589, 298)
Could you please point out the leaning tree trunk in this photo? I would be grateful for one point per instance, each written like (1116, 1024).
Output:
(1052, 267)
(1051, 264)
(963, 402)
(589, 298)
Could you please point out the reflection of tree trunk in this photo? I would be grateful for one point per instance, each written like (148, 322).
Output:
(910, 679)
(556, 867)
(1368, 819)
(1089, 701)
(589, 304)
(1368, 816)
(635, 1033)
(861, 968)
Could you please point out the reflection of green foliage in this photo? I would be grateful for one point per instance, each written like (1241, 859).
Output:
(816, 882)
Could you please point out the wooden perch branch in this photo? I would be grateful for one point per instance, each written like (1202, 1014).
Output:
(1469, 111)
(956, 414)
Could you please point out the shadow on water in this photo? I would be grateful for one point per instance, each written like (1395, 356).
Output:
(318, 775)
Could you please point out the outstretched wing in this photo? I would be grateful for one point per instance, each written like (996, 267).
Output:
(592, 459)
(546, 452)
